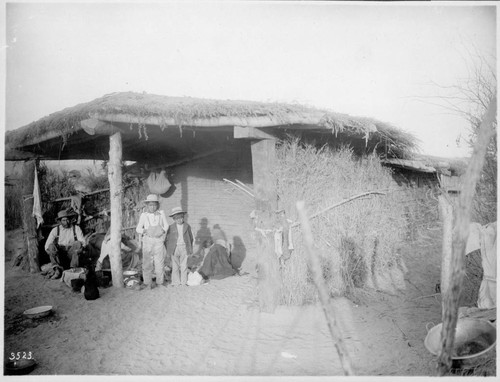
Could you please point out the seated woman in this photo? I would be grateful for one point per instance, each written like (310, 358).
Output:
(195, 261)
(216, 264)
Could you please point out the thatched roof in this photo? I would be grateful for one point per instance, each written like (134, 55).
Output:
(142, 113)
(455, 167)
(447, 166)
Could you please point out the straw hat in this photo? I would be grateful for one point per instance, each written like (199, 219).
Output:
(152, 198)
(65, 214)
(176, 211)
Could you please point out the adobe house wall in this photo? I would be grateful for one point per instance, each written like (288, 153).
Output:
(209, 200)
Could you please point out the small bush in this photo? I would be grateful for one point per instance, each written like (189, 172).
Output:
(54, 184)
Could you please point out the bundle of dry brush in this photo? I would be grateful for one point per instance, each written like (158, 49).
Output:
(359, 242)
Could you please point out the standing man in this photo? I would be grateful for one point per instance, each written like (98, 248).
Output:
(153, 226)
(180, 242)
(65, 242)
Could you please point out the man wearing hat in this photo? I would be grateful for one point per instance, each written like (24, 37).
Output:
(65, 242)
(179, 246)
(153, 226)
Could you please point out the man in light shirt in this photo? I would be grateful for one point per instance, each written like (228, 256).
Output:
(65, 242)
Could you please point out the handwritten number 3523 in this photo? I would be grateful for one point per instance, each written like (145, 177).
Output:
(17, 356)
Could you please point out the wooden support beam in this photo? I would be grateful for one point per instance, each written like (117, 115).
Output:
(184, 160)
(116, 199)
(251, 132)
(18, 155)
(264, 186)
(30, 261)
(95, 127)
(311, 117)
(263, 166)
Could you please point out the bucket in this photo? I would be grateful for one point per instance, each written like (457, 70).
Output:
(473, 338)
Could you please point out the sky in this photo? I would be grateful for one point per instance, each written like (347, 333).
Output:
(385, 61)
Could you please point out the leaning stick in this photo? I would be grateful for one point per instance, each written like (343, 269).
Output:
(243, 185)
(322, 290)
(339, 204)
(452, 296)
(238, 187)
(429, 295)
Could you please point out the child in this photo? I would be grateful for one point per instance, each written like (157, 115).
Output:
(180, 243)
(153, 226)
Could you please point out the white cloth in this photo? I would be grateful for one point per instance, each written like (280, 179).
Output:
(488, 290)
(158, 183)
(485, 238)
(474, 239)
(72, 274)
(278, 242)
(151, 219)
(290, 239)
(37, 202)
(180, 234)
(194, 279)
(66, 236)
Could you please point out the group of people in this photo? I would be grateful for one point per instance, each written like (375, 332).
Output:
(161, 242)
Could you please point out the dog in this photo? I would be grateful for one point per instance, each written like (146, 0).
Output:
(91, 291)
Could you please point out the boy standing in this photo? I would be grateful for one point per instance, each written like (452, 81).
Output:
(152, 226)
(179, 246)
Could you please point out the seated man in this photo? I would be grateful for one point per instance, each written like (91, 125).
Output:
(99, 248)
(65, 242)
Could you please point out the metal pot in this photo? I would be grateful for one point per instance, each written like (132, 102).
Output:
(473, 338)
(130, 273)
(38, 312)
(20, 367)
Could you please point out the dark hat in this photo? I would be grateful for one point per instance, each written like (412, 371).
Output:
(65, 214)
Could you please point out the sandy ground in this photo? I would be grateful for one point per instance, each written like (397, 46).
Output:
(217, 330)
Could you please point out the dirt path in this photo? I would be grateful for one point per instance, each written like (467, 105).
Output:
(216, 329)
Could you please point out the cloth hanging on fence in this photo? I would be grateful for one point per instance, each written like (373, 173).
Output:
(485, 239)
(158, 183)
(37, 202)
(278, 242)
(290, 241)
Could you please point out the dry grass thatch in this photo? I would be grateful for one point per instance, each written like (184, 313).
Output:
(359, 242)
(183, 111)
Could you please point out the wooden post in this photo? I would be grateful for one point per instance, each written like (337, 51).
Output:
(30, 261)
(264, 185)
(452, 297)
(116, 197)
(315, 266)
(446, 211)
